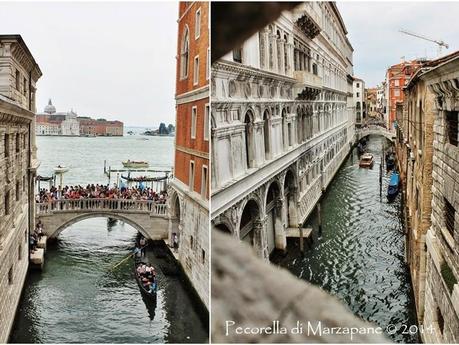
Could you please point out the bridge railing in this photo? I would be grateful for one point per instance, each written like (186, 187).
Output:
(102, 204)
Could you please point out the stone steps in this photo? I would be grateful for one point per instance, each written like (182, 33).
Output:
(37, 258)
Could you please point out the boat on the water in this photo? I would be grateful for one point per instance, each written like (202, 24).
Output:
(392, 190)
(390, 162)
(146, 291)
(144, 178)
(135, 164)
(366, 161)
(60, 169)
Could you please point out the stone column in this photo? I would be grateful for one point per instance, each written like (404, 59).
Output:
(275, 59)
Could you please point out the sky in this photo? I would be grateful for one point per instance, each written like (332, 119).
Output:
(373, 32)
(114, 60)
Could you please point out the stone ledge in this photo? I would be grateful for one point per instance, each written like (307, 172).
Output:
(252, 293)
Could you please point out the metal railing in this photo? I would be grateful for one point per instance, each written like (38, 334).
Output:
(119, 205)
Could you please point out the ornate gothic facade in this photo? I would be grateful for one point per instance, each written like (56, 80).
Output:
(282, 124)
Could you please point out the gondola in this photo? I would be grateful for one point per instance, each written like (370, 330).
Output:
(144, 178)
(392, 190)
(149, 295)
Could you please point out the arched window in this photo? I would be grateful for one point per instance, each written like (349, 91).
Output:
(284, 131)
(266, 132)
(185, 54)
(314, 69)
(249, 142)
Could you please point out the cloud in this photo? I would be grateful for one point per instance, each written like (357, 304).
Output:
(104, 59)
(374, 33)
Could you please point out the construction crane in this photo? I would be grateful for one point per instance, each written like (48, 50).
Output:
(438, 42)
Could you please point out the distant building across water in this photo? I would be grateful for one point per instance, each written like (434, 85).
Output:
(69, 123)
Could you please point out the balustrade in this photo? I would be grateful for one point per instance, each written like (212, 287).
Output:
(120, 205)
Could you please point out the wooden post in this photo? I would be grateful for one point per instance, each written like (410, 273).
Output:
(319, 218)
(301, 238)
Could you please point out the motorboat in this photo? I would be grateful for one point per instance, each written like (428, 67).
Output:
(60, 169)
(135, 164)
(366, 160)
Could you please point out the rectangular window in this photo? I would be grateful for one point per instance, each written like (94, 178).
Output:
(10, 275)
(23, 183)
(19, 252)
(17, 191)
(450, 214)
(452, 132)
(358, 85)
(206, 122)
(197, 24)
(196, 70)
(17, 142)
(6, 143)
(191, 177)
(237, 55)
(203, 255)
(397, 82)
(204, 182)
(208, 64)
(7, 203)
(194, 115)
(397, 93)
(18, 80)
(24, 90)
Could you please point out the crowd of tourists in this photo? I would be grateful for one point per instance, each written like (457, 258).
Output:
(99, 191)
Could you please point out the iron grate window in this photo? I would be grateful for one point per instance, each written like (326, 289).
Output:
(452, 127)
(450, 214)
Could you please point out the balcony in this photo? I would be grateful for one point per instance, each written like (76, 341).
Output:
(308, 85)
(306, 16)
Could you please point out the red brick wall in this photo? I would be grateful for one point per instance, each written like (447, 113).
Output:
(188, 149)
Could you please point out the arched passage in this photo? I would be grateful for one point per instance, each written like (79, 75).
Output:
(250, 220)
(273, 208)
(54, 232)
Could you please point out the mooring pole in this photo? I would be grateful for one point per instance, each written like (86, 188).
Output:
(380, 178)
(300, 228)
(319, 217)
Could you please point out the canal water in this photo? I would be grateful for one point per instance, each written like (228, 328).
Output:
(359, 256)
(78, 298)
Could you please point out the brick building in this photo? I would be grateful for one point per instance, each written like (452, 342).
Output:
(18, 165)
(100, 127)
(427, 151)
(397, 77)
(190, 186)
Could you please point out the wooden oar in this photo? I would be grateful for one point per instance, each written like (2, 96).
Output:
(119, 263)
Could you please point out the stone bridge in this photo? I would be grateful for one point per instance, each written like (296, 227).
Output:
(375, 130)
(148, 217)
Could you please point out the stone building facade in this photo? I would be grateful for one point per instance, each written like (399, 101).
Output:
(18, 74)
(189, 194)
(359, 98)
(282, 123)
(427, 150)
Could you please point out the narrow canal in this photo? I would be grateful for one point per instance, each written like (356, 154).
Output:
(78, 298)
(360, 255)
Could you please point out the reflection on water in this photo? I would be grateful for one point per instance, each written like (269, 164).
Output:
(360, 255)
(79, 298)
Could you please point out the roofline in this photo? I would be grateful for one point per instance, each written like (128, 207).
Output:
(18, 38)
